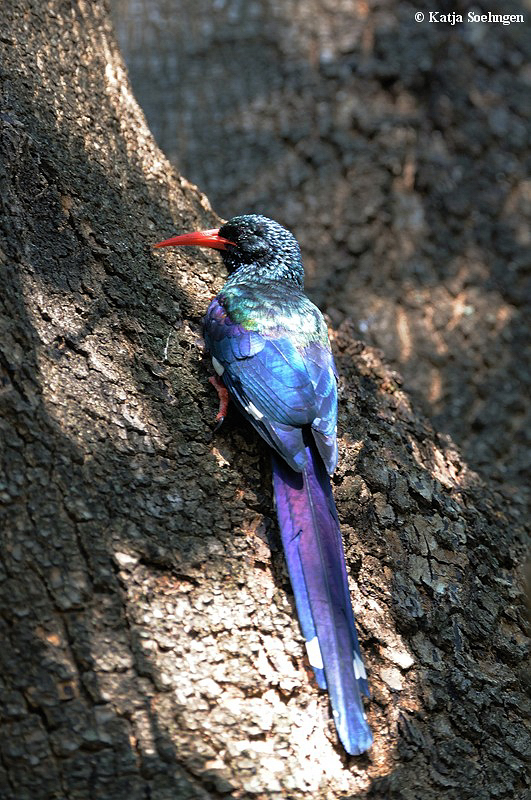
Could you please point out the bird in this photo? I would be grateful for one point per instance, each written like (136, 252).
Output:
(271, 353)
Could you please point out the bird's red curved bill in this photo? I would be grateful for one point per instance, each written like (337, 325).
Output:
(209, 238)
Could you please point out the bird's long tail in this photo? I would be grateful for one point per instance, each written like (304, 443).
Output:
(309, 527)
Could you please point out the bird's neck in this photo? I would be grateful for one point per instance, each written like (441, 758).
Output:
(284, 273)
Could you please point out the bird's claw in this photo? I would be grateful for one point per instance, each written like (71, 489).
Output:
(223, 395)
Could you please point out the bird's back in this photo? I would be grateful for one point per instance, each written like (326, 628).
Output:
(272, 346)
(275, 310)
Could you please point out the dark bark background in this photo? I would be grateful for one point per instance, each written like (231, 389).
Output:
(149, 641)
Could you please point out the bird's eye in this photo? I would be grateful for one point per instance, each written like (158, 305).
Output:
(255, 244)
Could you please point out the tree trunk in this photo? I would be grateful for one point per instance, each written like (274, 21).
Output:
(150, 644)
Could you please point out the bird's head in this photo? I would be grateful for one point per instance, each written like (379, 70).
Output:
(252, 245)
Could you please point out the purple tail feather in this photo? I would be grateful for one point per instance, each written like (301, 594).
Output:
(312, 543)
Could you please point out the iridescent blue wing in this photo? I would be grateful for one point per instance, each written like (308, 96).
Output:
(281, 388)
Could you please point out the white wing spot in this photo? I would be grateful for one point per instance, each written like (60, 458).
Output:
(314, 653)
(253, 411)
(220, 369)
(359, 669)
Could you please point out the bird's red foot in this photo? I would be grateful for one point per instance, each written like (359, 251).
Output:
(223, 395)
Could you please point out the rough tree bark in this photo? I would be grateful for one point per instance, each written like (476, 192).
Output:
(149, 641)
